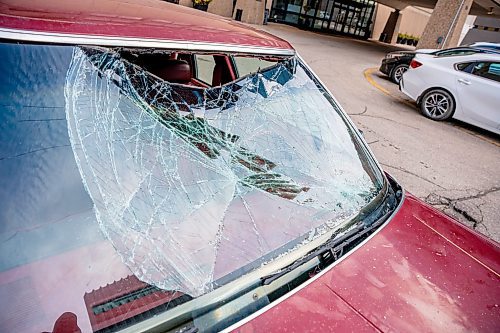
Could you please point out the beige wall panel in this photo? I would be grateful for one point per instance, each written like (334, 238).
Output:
(221, 7)
(253, 11)
(187, 3)
(413, 21)
(269, 4)
(381, 17)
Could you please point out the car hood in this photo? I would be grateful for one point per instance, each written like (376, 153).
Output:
(423, 272)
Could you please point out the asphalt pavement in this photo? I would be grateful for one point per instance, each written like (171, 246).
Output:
(451, 165)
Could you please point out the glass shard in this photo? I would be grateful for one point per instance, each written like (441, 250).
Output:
(196, 186)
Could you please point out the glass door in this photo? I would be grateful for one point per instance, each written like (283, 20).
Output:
(346, 17)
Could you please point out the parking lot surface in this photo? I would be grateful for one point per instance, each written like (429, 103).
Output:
(451, 165)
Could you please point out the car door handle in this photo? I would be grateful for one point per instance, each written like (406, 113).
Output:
(463, 81)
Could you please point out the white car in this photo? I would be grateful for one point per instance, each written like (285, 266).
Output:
(486, 46)
(464, 87)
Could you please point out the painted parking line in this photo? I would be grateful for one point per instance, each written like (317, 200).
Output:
(368, 76)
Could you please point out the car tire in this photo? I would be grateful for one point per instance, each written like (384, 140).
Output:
(437, 104)
(398, 72)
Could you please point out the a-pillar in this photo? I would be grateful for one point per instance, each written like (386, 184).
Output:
(391, 29)
(445, 24)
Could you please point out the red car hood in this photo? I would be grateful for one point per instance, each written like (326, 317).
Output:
(423, 272)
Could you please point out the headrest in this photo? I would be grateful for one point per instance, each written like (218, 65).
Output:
(171, 70)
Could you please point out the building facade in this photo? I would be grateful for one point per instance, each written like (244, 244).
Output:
(357, 18)
(345, 17)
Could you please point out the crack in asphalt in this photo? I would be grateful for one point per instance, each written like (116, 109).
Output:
(481, 193)
(360, 113)
(482, 219)
(413, 174)
(454, 204)
(363, 114)
(466, 215)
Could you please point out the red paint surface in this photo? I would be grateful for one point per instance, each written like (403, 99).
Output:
(147, 19)
(408, 278)
(314, 308)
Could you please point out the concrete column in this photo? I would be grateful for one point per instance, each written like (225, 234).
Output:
(221, 7)
(252, 11)
(445, 24)
(186, 3)
(391, 28)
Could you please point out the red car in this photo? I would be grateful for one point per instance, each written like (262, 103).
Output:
(164, 169)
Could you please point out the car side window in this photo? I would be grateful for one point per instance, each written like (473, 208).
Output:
(455, 53)
(465, 67)
(247, 65)
(489, 70)
(205, 68)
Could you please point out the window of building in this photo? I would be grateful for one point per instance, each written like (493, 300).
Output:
(353, 18)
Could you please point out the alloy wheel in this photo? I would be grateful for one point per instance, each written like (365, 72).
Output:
(398, 72)
(437, 105)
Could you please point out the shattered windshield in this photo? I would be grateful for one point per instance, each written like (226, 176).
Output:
(190, 184)
(129, 187)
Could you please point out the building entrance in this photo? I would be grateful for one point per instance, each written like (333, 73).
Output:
(346, 17)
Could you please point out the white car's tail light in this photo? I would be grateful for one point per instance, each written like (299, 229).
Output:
(415, 64)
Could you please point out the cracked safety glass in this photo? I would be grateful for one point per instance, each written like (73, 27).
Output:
(132, 182)
(195, 186)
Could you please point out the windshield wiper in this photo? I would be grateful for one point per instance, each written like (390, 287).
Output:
(337, 246)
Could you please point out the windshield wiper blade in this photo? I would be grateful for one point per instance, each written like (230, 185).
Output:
(334, 247)
(327, 247)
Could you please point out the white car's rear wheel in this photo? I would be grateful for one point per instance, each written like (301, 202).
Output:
(397, 73)
(437, 104)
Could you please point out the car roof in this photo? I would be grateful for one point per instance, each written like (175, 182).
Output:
(461, 58)
(484, 44)
(149, 23)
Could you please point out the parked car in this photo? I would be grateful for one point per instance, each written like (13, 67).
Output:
(396, 63)
(167, 170)
(465, 88)
(486, 46)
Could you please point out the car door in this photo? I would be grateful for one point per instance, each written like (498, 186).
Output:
(478, 87)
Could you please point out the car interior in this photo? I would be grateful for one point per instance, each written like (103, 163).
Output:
(200, 69)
